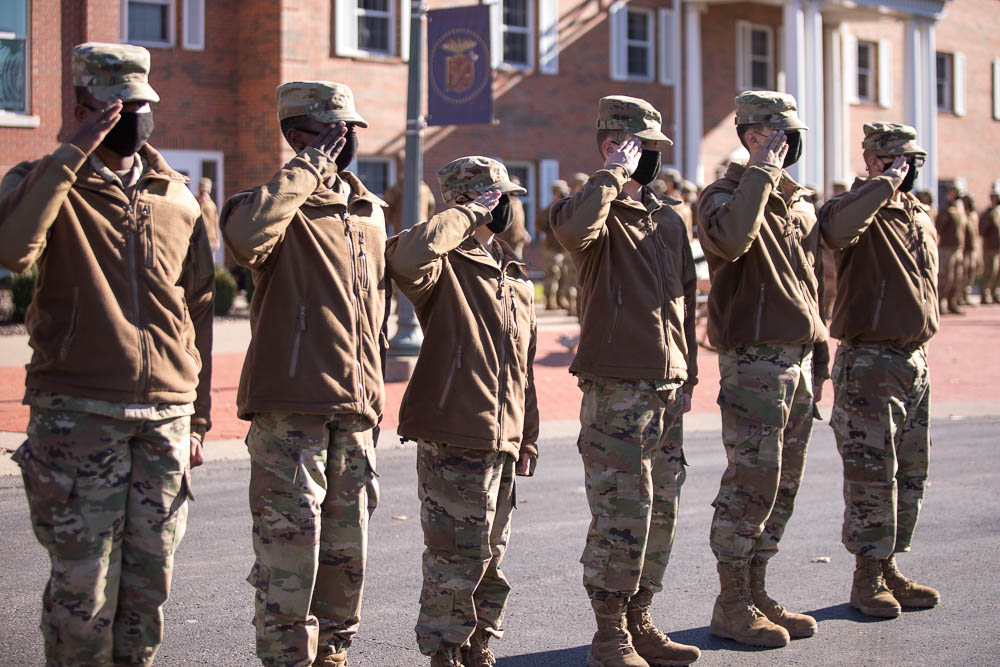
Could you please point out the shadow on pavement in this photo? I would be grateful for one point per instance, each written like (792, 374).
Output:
(566, 657)
(843, 612)
(555, 359)
(706, 641)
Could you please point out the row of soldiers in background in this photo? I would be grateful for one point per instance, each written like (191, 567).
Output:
(969, 247)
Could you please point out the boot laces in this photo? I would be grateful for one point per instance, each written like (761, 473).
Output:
(646, 626)
(622, 638)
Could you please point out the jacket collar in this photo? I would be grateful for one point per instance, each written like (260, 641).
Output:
(472, 250)
(155, 167)
(788, 188)
(347, 188)
(907, 202)
(648, 202)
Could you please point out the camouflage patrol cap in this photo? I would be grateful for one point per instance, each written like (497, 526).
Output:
(580, 178)
(325, 101)
(560, 186)
(769, 108)
(113, 72)
(474, 175)
(891, 139)
(631, 114)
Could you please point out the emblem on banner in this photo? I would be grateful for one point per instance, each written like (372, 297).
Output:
(460, 67)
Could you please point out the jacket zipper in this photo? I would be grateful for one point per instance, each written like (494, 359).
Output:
(293, 365)
(356, 297)
(663, 293)
(760, 312)
(502, 378)
(133, 266)
(614, 317)
(71, 333)
(878, 304)
(513, 312)
(451, 376)
(148, 228)
(363, 258)
(921, 264)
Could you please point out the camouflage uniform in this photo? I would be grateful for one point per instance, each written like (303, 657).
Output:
(309, 478)
(466, 500)
(767, 407)
(880, 417)
(633, 460)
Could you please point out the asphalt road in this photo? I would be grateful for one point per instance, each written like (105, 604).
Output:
(548, 622)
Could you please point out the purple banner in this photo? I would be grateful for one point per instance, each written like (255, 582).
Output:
(460, 79)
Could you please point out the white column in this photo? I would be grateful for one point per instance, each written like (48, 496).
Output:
(928, 48)
(835, 169)
(693, 168)
(814, 79)
(913, 80)
(793, 55)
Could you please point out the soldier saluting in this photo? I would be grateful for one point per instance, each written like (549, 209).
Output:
(118, 385)
(886, 310)
(312, 387)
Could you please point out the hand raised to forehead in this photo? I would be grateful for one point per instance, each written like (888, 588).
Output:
(898, 170)
(489, 199)
(92, 131)
(627, 154)
(771, 152)
(331, 140)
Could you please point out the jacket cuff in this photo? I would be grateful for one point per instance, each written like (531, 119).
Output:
(318, 163)
(529, 448)
(70, 157)
(619, 173)
(688, 388)
(771, 171)
(199, 427)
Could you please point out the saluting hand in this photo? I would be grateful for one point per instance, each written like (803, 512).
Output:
(771, 152)
(489, 199)
(898, 170)
(331, 141)
(91, 132)
(627, 154)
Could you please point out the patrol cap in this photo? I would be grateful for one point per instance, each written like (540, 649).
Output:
(580, 178)
(631, 114)
(205, 183)
(560, 186)
(958, 185)
(688, 186)
(891, 139)
(475, 174)
(995, 190)
(769, 108)
(673, 176)
(113, 72)
(325, 101)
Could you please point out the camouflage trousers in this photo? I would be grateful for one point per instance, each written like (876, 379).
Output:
(108, 501)
(991, 272)
(560, 276)
(466, 500)
(631, 442)
(880, 415)
(766, 398)
(950, 271)
(309, 499)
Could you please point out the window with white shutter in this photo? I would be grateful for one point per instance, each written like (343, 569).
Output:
(958, 78)
(669, 41)
(548, 36)
(194, 25)
(865, 61)
(996, 89)
(754, 56)
(849, 45)
(370, 28)
(945, 81)
(14, 57)
(884, 73)
(617, 21)
(148, 22)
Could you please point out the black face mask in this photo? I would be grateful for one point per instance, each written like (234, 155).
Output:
(349, 151)
(911, 176)
(794, 141)
(503, 216)
(130, 133)
(649, 167)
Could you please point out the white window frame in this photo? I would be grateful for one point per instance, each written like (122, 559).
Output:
(9, 118)
(390, 168)
(528, 200)
(649, 44)
(345, 35)
(668, 39)
(529, 33)
(949, 82)
(171, 24)
(870, 93)
(745, 57)
(958, 83)
(194, 36)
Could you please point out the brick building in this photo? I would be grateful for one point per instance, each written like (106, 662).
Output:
(932, 63)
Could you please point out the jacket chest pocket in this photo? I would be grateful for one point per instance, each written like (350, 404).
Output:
(165, 231)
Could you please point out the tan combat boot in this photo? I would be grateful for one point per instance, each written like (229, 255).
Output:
(612, 645)
(798, 625)
(447, 657)
(907, 592)
(551, 303)
(652, 645)
(736, 617)
(477, 653)
(338, 658)
(869, 594)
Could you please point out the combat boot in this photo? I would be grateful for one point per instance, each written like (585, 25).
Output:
(447, 657)
(571, 307)
(798, 625)
(477, 653)
(612, 645)
(551, 303)
(736, 617)
(907, 592)
(954, 309)
(869, 594)
(337, 658)
(652, 645)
